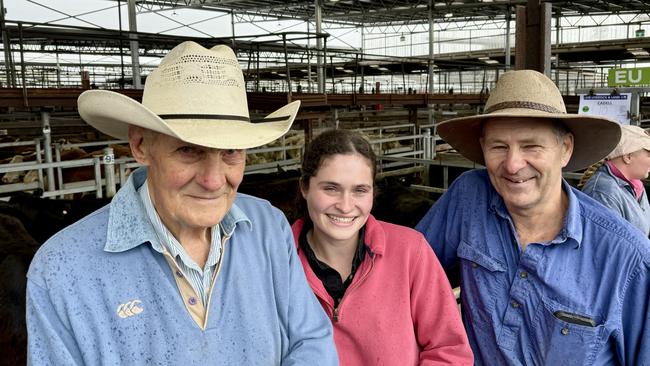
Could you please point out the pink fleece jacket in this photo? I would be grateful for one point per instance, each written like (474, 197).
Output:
(399, 308)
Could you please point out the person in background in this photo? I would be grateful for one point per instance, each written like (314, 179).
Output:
(617, 182)
(381, 285)
(548, 277)
(179, 269)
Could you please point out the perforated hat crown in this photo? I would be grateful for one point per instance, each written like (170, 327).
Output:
(197, 95)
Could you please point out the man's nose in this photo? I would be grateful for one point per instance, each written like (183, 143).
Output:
(514, 161)
(213, 173)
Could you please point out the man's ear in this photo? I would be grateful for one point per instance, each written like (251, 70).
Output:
(567, 149)
(139, 144)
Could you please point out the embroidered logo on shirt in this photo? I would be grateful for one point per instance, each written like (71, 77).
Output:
(130, 308)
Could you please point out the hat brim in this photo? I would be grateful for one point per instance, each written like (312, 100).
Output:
(594, 137)
(112, 113)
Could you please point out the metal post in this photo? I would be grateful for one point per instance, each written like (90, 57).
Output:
(431, 65)
(428, 152)
(6, 45)
(286, 62)
(508, 20)
(135, 47)
(109, 171)
(320, 75)
(45, 117)
(59, 170)
(98, 176)
(39, 159)
(309, 86)
(232, 25)
(119, 14)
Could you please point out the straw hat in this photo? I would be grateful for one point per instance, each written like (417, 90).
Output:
(528, 93)
(633, 138)
(197, 95)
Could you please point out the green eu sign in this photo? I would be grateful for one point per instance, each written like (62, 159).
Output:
(629, 77)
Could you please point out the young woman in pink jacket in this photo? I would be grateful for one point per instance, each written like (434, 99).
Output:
(381, 284)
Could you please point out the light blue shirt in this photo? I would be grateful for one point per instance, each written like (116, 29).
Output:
(97, 296)
(582, 298)
(618, 195)
(199, 278)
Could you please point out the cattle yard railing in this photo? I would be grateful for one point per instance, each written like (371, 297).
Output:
(401, 149)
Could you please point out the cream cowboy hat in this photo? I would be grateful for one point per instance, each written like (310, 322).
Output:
(197, 95)
(528, 93)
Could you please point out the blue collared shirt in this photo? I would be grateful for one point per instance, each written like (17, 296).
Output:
(582, 298)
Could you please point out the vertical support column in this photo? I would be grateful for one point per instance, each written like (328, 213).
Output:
(135, 47)
(429, 153)
(47, 146)
(508, 20)
(97, 162)
(232, 27)
(431, 120)
(109, 171)
(558, 16)
(320, 75)
(39, 159)
(7, 47)
(286, 62)
(363, 79)
(309, 86)
(533, 43)
(59, 170)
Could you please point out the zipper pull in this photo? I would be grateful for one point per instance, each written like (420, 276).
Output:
(335, 316)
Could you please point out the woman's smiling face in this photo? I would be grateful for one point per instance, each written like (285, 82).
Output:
(340, 197)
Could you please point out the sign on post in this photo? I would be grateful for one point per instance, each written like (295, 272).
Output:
(628, 77)
(616, 107)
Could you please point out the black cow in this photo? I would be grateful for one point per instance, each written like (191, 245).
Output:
(396, 203)
(26, 221)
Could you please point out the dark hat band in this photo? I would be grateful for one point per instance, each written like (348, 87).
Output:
(525, 105)
(227, 117)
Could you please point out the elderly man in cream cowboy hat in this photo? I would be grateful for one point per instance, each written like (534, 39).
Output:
(179, 268)
(548, 276)
(617, 182)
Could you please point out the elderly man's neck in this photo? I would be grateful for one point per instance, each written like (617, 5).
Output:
(541, 223)
(195, 241)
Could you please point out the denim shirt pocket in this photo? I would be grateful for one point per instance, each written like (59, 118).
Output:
(476, 258)
(562, 342)
(482, 277)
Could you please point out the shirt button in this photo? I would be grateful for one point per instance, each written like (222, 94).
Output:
(565, 331)
(179, 274)
(192, 301)
(514, 304)
(474, 265)
(523, 274)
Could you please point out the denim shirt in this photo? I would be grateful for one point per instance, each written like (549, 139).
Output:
(618, 195)
(582, 298)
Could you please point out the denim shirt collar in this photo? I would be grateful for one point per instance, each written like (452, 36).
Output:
(129, 226)
(572, 228)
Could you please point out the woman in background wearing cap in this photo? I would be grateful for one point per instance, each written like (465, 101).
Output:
(381, 284)
(617, 183)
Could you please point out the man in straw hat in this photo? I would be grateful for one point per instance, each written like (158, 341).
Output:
(548, 277)
(179, 268)
(617, 182)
